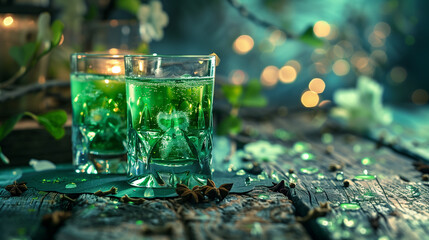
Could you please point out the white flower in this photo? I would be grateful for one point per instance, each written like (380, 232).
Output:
(361, 108)
(152, 21)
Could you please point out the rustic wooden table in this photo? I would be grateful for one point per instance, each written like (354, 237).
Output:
(394, 205)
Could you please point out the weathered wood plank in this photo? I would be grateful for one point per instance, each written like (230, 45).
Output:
(387, 198)
(260, 213)
(21, 217)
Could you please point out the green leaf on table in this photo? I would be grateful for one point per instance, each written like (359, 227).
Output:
(230, 125)
(131, 6)
(252, 96)
(56, 31)
(23, 54)
(309, 38)
(232, 93)
(53, 122)
(8, 125)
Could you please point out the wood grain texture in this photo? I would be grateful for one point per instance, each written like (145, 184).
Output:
(387, 207)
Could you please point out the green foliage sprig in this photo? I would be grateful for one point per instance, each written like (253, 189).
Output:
(52, 121)
(239, 96)
(29, 54)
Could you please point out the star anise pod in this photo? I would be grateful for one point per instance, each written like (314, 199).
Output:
(16, 189)
(212, 192)
(56, 218)
(193, 195)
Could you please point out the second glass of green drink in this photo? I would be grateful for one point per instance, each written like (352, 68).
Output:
(99, 113)
(169, 115)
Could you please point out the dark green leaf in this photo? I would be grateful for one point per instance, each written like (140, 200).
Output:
(131, 6)
(23, 54)
(230, 125)
(53, 122)
(8, 125)
(309, 38)
(232, 93)
(252, 96)
(57, 31)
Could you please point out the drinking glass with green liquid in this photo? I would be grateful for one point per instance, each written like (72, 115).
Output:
(99, 113)
(170, 101)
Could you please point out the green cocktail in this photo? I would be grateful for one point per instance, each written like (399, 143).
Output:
(169, 129)
(99, 122)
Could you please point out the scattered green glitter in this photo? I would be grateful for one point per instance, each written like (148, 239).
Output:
(367, 161)
(275, 176)
(321, 176)
(349, 206)
(240, 172)
(71, 185)
(339, 176)
(413, 191)
(309, 170)
(307, 156)
(365, 177)
(327, 138)
(262, 176)
(31, 210)
(263, 196)
(319, 190)
(35, 198)
(323, 221)
(139, 222)
(301, 147)
(83, 180)
(369, 195)
(116, 207)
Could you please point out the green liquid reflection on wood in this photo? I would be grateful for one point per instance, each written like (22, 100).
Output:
(350, 206)
(71, 185)
(307, 156)
(309, 170)
(365, 177)
(263, 196)
(367, 161)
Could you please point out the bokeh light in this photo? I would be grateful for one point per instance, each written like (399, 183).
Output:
(269, 76)
(382, 29)
(238, 77)
(398, 74)
(338, 51)
(287, 74)
(113, 51)
(341, 67)
(420, 97)
(295, 64)
(321, 29)
(277, 38)
(309, 99)
(116, 69)
(243, 44)
(379, 56)
(317, 85)
(324, 103)
(7, 21)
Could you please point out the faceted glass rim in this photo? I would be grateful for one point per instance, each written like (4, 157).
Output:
(199, 57)
(97, 55)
